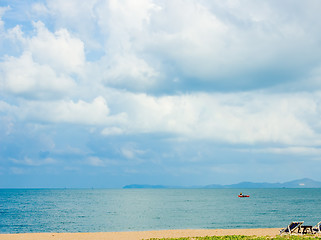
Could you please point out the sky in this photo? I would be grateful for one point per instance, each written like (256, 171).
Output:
(105, 93)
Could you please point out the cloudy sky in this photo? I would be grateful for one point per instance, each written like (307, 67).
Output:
(104, 93)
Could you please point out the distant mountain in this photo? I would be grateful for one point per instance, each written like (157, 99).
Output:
(247, 185)
(301, 183)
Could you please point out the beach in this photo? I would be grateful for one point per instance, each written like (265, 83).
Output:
(141, 234)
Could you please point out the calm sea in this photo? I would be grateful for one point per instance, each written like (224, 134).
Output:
(93, 210)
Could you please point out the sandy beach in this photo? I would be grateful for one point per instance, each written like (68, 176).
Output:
(141, 235)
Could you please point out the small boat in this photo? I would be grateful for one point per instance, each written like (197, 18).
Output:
(243, 195)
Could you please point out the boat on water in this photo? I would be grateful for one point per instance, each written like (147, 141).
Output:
(242, 195)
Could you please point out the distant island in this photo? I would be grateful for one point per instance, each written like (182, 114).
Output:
(300, 183)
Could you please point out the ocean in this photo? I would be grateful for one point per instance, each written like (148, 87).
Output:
(109, 210)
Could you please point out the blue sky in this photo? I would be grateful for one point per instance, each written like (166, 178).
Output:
(107, 93)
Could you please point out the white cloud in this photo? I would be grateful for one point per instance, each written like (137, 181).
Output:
(125, 25)
(112, 131)
(212, 42)
(238, 118)
(72, 112)
(26, 77)
(133, 14)
(131, 152)
(217, 42)
(96, 161)
(48, 65)
(185, 73)
(59, 50)
(130, 72)
(80, 112)
(233, 118)
(144, 43)
(39, 9)
(80, 17)
(16, 35)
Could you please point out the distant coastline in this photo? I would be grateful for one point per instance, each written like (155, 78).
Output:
(300, 183)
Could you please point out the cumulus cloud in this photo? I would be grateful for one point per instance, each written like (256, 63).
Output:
(64, 111)
(59, 50)
(46, 64)
(24, 76)
(129, 71)
(208, 45)
(93, 113)
(231, 46)
(148, 42)
(77, 15)
(232, 73)
(217, 44)
(232, 118)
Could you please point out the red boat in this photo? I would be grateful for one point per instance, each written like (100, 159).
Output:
(243, 195)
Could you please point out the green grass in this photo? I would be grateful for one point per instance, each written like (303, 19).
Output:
(239, 237)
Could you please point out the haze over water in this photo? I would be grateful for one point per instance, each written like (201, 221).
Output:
(106, 210)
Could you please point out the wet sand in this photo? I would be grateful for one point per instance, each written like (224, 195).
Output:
(141, 235)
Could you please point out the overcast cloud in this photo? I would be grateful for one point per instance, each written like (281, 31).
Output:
(104, 93)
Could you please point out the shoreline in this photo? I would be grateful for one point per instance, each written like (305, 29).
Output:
(138, 235)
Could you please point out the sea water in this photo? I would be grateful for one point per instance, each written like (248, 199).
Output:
(105, 210)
